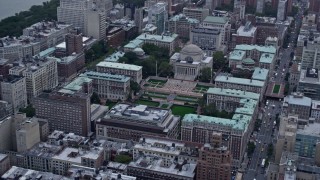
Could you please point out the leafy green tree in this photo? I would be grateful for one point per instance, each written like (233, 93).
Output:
(95, 98)
(165, 69)
(270, 150)
(250, 148)
(205, 74)
(134, 86)
(153, 50)
(218, 60)
(131, 57)
(29, 110)
(125, 159)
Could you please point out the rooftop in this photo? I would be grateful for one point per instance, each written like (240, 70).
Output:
(245, 31)
(241, 81)
(181, 169)
(238, 121)
(215, 19)
(233, 93)
(246, 47)
(311, 79)
(75, 85)
(2, 157)
(237, 55)
(119, 66)
(315, 105)
(23, 174)
(105, 76)
(134, 44)
(182, 16)
(74, 155)
(310, 130)
(141, 112)
(154, 37)
(260, 74)
(297, 99)
(266, 58)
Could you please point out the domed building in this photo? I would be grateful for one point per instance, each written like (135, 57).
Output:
(188, 63)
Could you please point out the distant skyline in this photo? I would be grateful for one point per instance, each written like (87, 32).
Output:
(10, 7)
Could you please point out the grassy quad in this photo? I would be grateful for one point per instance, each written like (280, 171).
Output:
(276, 89)
(147, 103)
(200, 89)
(182, 110)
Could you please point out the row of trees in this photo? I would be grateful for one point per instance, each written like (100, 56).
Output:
(211, 110)
(13, 26)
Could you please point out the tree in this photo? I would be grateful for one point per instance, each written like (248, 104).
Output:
(270, 150)
(131, 57)
(165, 69)
(134, 86)
(205, 74)
(218, 60)
(250, 148)
(125, 159)
(95, 98)
(29, 110)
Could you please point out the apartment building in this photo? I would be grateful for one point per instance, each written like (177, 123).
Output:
(25, 173)
(307, 141)
(4, 163)
(154, 167)
(286, 137)
(72, 102)
(17, 48)
(311, 55)
(130, 122)
(48, 33)
(132, 71)
(297, 103)
(166, 148)
(315, 110)
(250, 85)
(221, 24)
(231, 99)
(40, 75)
(246, 34)
(182, 25)
(13, 90)
(69, 66)
(62, 161)
(95, 24)
(309, 83)
(282, 10)
(27, 134)
(109, 86)
(196, 13)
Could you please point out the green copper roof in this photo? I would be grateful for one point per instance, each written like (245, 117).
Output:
(266, 58)
(215, 19)
(248, 61)
(260, 74)
(237, 55)
(242, 81)
(246, 47)
(233, 93)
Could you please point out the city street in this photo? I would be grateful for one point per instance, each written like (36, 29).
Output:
(267, 133)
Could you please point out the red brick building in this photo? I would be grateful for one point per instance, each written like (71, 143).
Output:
(245, 35)
(116, 36)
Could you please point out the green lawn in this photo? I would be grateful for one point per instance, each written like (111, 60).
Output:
(182, 110)
(276, 88)
(110, 104)
(186, 98)
(148, 103)
(157, 81)
(165, 106)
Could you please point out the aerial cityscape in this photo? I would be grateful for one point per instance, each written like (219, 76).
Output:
(160, 90)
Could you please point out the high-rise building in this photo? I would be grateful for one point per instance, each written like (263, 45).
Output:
(27, 134)
(74, 42)
(13, 90)
(207, 38)
(138, 19)
(282, 10)
(67, 109)
(182, 25)
(40, 75)
(220, 23)
(158, 16)
(311, 54)
(196, 13)
(309, 83)
(73, 12)
(214, 162)
(95, 24)
(246, 34)
(212, 4)
(314, 6)
(298, 104)
(260, 6)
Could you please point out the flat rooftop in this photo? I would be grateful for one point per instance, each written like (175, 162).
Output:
(241, 81)
(114, 57)
(260, 74)
(106, 76)
(244, 31)
(315, 105)
(246, 47)
(298, 100)
(237, 55)
(160, 38)
(310, 80)
(215, 19)
(75, 85)
(233, 93)
(141, 112)
(310, 130)
(266, 58)
(119, 66)
(155, 164)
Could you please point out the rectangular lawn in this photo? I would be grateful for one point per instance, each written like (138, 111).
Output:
(148, 103)
(182, 110)
(276, 89)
